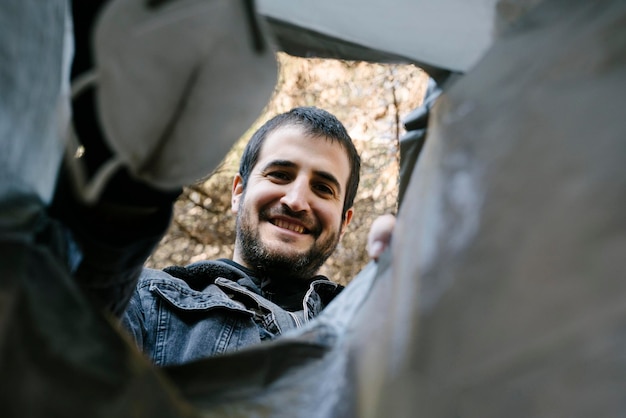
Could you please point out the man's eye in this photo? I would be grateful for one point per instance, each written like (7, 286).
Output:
(324, 189)
(279, 175)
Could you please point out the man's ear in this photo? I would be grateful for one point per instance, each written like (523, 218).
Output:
(237, 193)
(346, 221)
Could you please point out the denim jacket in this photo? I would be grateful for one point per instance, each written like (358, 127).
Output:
(181, 314)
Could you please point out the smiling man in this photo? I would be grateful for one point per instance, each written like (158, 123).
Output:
(290, 207)
(293, 199)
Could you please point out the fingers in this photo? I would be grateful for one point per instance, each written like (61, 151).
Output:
(380, 234)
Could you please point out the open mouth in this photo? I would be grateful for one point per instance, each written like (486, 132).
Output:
(297, 228)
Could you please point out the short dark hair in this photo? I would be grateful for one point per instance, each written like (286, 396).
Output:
(315, 122)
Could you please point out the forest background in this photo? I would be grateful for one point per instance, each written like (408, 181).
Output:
(371, 99)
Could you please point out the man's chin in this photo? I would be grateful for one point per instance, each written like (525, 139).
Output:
(287, 254)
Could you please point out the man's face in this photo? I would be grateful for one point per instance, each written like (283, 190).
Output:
(289, 216)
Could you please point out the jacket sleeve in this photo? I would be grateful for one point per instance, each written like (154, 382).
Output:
(115, 236)
(133, 320)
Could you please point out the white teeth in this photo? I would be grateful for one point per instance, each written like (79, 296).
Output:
(287, 225)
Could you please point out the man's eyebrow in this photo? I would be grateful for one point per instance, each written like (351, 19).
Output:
(278, 163)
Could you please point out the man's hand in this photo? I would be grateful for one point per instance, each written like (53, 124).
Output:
(380, 234)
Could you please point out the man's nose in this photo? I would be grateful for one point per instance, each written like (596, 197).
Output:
(296, 196)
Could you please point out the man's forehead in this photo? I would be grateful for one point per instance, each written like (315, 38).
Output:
(296, 135)
(293, 138)
(292, 143)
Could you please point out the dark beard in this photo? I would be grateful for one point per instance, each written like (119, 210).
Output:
(301, 267)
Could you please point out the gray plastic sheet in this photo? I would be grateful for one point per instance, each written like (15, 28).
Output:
(508, 293)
